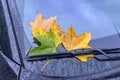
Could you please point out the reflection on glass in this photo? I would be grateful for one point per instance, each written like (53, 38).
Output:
(96, 16)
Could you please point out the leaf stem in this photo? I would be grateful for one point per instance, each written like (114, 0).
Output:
(45, 65)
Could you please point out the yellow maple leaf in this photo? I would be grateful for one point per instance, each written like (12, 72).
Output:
(71, 41)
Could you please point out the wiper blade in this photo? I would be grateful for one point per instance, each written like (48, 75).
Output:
(73, 53)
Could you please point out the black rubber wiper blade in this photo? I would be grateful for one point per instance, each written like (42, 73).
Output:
(73, 53)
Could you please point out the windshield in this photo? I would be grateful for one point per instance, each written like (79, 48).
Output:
(99, 17)
(95, 16)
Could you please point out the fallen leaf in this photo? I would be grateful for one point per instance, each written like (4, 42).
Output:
(71, 41)
(47, 35)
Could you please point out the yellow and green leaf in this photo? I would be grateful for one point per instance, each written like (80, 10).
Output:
(46, 32)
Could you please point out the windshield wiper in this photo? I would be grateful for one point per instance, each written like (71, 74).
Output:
(73, 53)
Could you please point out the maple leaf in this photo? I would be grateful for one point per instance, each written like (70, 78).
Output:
(71, 41)
(47, 33)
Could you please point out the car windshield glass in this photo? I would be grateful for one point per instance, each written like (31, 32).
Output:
(97, 16)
